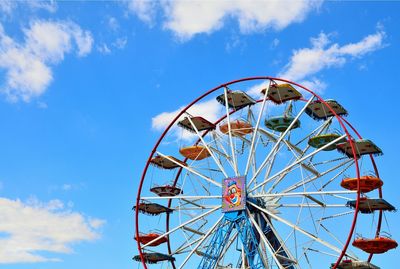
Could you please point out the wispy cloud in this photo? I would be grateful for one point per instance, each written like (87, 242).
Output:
(189, 18)
(31, 227)
(323, 54)
(144, 9)
(306, 63)
(28, 65)
(8, 6)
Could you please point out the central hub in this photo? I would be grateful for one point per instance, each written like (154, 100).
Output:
(233, 194)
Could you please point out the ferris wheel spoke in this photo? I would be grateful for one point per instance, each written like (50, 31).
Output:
(307, 167)
(282, 243)
(184, 247)
(207, 147)
(230, 133)
(307, 181)
(182, 225)
(269, 167)
(337, 239)
(317, 131)
(183, 197)
(336, 176)
(190, 170)
(297, 228)
(297, 155)
(313, 205)
(274, 138)
(264, 239)
(302, 165)
(222, 153)
(282, 136)
(301, 153)
(299, 194)
(255, 132)
(220, 149)
(210, 232)
(289, 167)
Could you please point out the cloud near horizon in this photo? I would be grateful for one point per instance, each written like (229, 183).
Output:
(29, 228)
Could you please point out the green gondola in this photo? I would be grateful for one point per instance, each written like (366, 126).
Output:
(281, 123)
(323, 139)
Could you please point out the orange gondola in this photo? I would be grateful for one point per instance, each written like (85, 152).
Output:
(195, 152)
(367, 183)
(377, 245)
(238, 127)
(146, 238)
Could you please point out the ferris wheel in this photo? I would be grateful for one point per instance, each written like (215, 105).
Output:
(261, 172)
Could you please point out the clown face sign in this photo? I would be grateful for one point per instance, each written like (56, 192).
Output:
(233, 194)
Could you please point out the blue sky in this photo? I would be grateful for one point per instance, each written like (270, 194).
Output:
(84, 84)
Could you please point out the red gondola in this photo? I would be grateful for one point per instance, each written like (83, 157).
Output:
(376, 245)
(146, 238)
(367, 183)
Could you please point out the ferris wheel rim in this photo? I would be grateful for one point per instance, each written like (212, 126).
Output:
(341, 121)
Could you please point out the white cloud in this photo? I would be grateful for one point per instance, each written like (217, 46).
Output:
(8, 6)
(210, 110)
(28, 64)
(120, 42)
(113, 23)
(103, 48)
(49, 5)
(309, 61)
(66, 187)
(274, 43)
(144, 9)
(189, 18)
(33, 226)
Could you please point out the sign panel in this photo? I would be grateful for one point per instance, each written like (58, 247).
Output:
(233, 194)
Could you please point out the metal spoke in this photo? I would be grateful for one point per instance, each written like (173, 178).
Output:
(308, 234)
(201, 241)
(190, 170)
(230, 133)
(181, 197)
(264, 239)
(184, 224)
(207, 147)
(255, 131)
(297, 162)
(282, 136)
